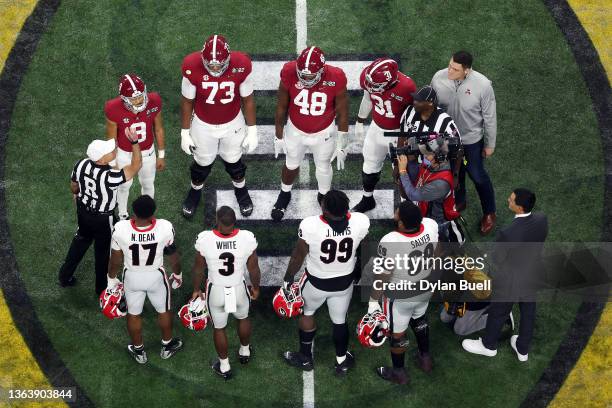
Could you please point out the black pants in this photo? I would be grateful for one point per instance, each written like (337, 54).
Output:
(498, 314)
(96, 228)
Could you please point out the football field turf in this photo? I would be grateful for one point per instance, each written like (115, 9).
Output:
(548, 140)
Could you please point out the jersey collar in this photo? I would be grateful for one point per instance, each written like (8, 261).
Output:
(220, 235)
(414, 234)
(145, 229)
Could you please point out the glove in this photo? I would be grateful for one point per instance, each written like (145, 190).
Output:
(187, 142)
(250, 141)
(374, 306)
(340, 153)
(279, 147)
(177, 280)
(359, 132)
(112, 282)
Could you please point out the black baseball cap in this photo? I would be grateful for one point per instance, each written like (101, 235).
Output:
(426, 94)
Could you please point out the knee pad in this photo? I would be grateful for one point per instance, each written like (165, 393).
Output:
(236, 170)
(419, 324)
(199, 173)
(370, 180)
(401, 342)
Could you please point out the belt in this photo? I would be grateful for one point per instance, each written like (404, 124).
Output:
(93, 211)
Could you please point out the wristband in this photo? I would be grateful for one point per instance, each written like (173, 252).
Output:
(161, 154)
(134, 142)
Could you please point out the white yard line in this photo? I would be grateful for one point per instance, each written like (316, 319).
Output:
(301, 25)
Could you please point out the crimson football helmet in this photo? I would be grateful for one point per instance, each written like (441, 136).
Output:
(309, 66)
(194, 315)
(288, 302)
(373, 329)
(133, 93)
(216, 55)
(381, 75)
(112, 302)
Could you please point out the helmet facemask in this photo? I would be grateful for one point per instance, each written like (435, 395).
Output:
(132, 103)
(307, 78)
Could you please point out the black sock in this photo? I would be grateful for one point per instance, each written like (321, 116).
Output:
(398, 360)
(421, 332)
(341, 338)
(306, 339)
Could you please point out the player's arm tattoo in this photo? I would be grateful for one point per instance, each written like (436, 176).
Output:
(282, 104)
(342, 106)
(297, 259)
(116, 259)
(198, 271)
(253, 268)
(248, 106)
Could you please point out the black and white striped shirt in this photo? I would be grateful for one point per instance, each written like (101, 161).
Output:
(439, 122)
(97, 185)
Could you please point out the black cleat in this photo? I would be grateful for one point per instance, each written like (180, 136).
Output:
(68, 283)
(245, 359)
(171, 348)
(366, 204)
(424, 362)
(299, 360)
(278, 212)
(395, 375)
(216, 367)
(244, 201)
(348, 363)
(190, 205)
(140, 355)
(320, 198)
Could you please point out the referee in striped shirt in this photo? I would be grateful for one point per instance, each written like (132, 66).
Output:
(94, 186)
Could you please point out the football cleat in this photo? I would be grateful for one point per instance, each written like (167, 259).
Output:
(278, 212)
(216, 55)
(424, 362)
(288, 302)
(124, 216)
(216, 367)
(190, 205)
(373, 329)
(244, 201)
(299, 360)
(310, 66)
(381, 75)
(133, 93)
(112, 302)
(320, 198)
(170, 349)
(395, 375)
(194, 315)
(245, 359)
(366, 204)
(140, 355)
(69, 282)
(348, 363)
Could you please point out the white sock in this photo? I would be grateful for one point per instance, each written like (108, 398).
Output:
(240, 184)
(286, 187)
(197, 187)
(340, 360)
(166, 342)
(139, 347)
(244, 350)
(225, 365)
(368, 193)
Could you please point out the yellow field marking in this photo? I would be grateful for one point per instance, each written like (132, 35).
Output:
(12, 16)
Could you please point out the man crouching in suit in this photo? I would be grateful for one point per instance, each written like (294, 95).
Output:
(517, 254)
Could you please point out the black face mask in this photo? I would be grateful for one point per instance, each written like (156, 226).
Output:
(338, 225)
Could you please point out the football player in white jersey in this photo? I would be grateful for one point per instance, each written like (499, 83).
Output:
(227, 253)
(419, 236)
(329, 243)
(140, 245)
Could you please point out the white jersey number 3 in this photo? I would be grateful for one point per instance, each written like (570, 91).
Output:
(314, 107)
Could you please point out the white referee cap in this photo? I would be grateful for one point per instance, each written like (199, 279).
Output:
(99, 148)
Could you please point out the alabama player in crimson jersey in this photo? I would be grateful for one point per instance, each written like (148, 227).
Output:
(389, 92)
(329, 244)
(139, 110)
(227, 253)
(216, 84)
(313, 95)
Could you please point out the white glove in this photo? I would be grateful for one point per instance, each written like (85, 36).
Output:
(112, 282)
(187, 142)
(359, 132)
(177, 280)
(340, 153)
(374, 306)
(250, 141)
(279, 147)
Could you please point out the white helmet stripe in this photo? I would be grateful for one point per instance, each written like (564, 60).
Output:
(308, 56)
(215, 48)
(379, 64)
(131, 82)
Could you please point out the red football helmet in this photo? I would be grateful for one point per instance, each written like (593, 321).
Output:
(194, 315)
(112, 302)
(373, 329)
(309, 66)
(381, 75)
(216, 55)
(288, 302)
(133, 92)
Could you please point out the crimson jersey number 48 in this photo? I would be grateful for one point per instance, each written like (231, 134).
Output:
(312, 104)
